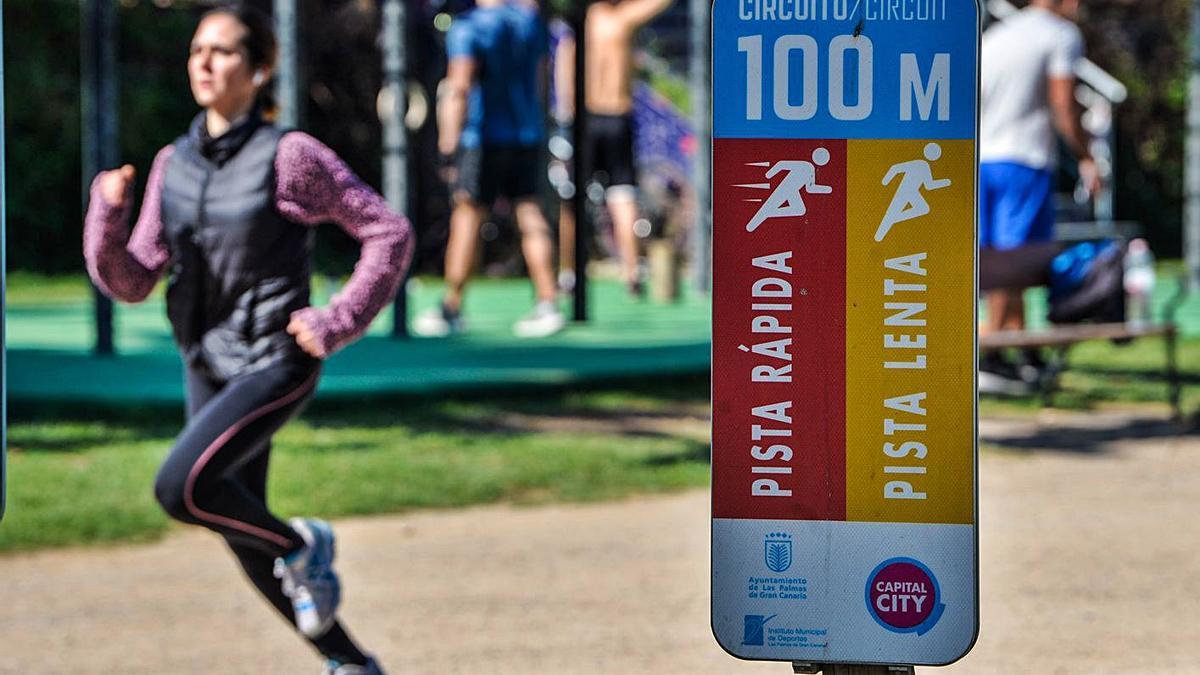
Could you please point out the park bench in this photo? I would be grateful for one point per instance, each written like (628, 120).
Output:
(1021, 269)
(1059, 339)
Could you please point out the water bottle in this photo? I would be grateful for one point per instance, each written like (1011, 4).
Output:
(1139, 282)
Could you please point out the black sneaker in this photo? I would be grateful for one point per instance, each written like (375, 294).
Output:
(999, 376)
(438, 322)
(1031, 367)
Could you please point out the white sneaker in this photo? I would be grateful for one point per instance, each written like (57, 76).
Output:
(307, 577)
(544, 320)
(998, 385)
(438, 322)
(566, 281)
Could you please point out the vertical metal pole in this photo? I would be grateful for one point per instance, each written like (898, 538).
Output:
(583, 163)
(3, 287)
(98, 61)
(1191, 213)
(1106, 200)
(391, 105)
(288, 67)
(699, 11)
(1173, 375)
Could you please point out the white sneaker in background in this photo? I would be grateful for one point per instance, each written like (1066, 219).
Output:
(438, 322)
(543, 321)
(566, 281)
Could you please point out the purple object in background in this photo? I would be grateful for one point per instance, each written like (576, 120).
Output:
(661, 132)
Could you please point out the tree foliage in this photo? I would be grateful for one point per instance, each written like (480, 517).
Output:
(1144, 43)
(42, 96)
(42, 61)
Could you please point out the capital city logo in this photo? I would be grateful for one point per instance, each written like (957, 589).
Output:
(903, 596)
(777, 551)
(787, 199)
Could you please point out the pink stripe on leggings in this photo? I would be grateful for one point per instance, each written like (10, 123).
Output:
(212, 450)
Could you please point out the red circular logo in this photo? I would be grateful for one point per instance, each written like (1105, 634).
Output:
(903, 596)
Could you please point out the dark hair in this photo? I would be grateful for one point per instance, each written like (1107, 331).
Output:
(260, 43)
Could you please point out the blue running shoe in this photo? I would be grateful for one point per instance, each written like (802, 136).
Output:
(308, 578)
(335, 668)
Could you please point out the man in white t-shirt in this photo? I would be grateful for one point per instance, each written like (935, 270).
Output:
(1028, 92)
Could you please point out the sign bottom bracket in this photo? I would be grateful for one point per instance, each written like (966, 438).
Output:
(803, 668)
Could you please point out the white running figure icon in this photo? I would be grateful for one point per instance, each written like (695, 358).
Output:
(909, 203)
(786, 200)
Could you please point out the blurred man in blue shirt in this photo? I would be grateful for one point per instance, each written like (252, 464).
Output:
(490, 132)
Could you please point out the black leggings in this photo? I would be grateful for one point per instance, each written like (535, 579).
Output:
(216, 475)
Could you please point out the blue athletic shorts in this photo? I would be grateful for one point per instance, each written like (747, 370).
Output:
(1016, 205)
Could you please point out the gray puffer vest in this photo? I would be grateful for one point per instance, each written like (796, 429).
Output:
(239, 269)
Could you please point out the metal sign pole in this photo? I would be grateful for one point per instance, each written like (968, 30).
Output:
(1191, 219)
(391, 105)
(702, 162)
(98, 63)
(3, 287)
(289, 65)
(583, 228)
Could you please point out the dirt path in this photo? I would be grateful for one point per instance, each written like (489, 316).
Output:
(1090, 564)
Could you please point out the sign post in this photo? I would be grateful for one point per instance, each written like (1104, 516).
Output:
(100, 128)
(392, 105)
(844, 331)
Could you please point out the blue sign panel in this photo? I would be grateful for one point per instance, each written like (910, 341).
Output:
(845, 68)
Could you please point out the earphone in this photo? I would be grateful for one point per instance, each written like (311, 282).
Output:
(258, 78)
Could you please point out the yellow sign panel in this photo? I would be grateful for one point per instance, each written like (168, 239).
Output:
(910, 434)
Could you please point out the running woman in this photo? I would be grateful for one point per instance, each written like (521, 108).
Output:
(229, 210)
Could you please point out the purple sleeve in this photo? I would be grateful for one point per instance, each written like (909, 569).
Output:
(126, 266)
(313, 185)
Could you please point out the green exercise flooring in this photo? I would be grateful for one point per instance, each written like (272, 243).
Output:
(50, 341)
(50, 348)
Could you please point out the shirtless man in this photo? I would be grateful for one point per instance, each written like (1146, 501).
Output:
(611, 26)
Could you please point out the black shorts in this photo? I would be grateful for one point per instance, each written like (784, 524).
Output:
(494, 171)
(610, 149)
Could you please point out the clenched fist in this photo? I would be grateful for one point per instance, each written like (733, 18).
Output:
(115, 185)
(306, 338)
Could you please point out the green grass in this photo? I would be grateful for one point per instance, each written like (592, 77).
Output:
(1101, 373)
(85, 475)
(80, 475)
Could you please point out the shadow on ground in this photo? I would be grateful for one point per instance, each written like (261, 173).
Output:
(1078, 434)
